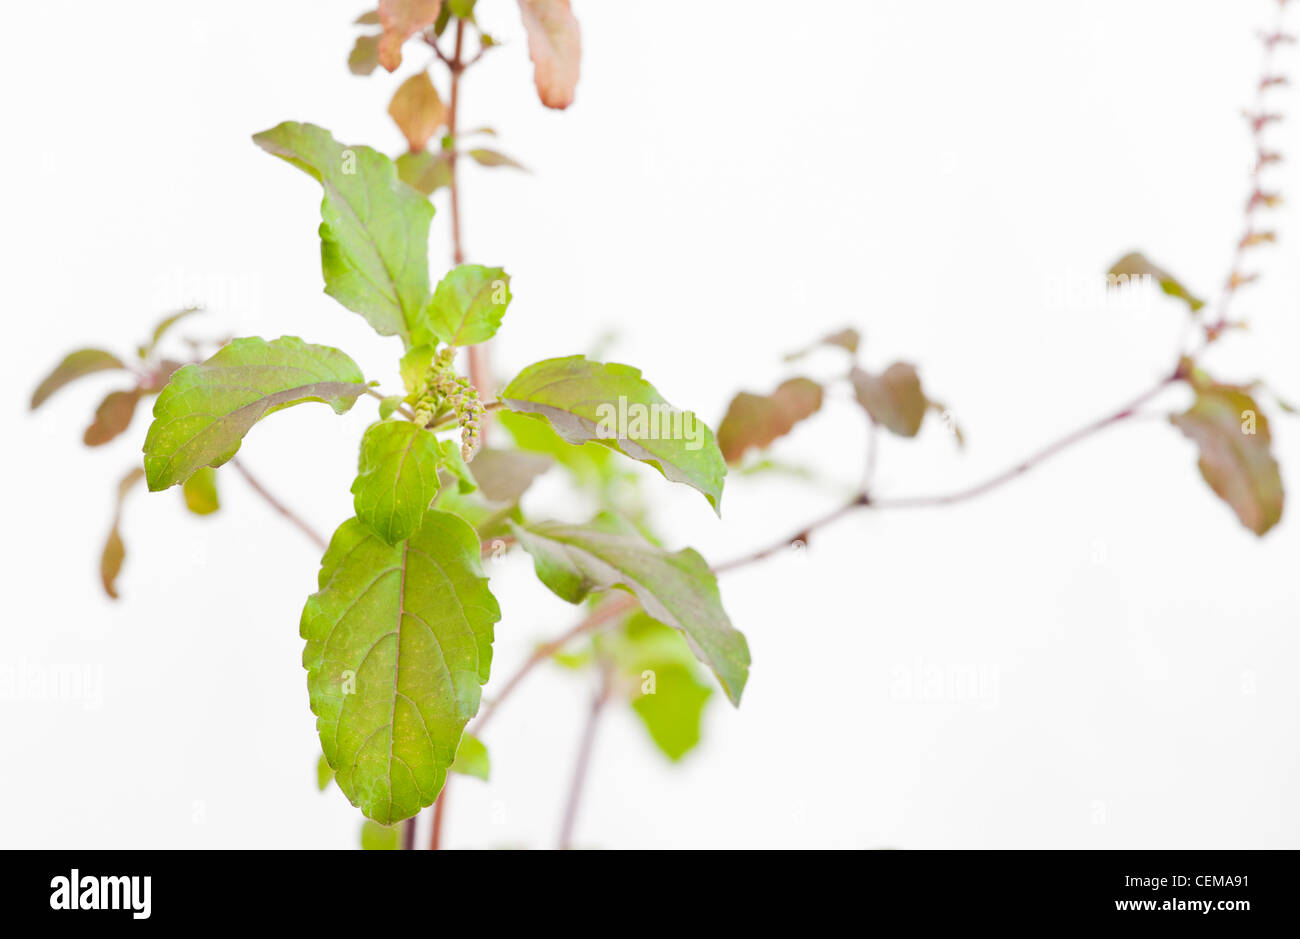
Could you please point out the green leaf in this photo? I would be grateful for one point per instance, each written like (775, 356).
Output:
(374, 229)
(894, 399)
(757, 420)
(112, 417)
(364, 57)
(1136, 265)
(590, 464)
(455, 467)
(425, 171)
(399, 641)
(164, 326)
(613, 405)
(468, 304)
(114, 553)
(505, 475)
(200, 492)
(397, 478)
(389, 405)
(75, 365)
(472, 758)
(677, 589)
(324, 775)
(485, 157)
(377, 837)
(205, 410)
(414, 367)
(1234, 440)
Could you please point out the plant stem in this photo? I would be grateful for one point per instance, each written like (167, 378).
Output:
(279, 506)
(439, 806)
(583, 763)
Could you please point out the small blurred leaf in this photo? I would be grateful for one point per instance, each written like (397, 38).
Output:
(472, 758)
(417, 110)
(377, 837)
(114, 553)
(75, 365)
(757, 420)
(389, 405)
(505, 475)
(425, 171)
(1234, 439)
(364, 57)
(455, 468)
(200, 492)
(1136, 265)
(368, 19)
(401, 20)
(112, 417)
(485, 157)
(164, 326)
(846, 339)
(324, 775)
(894, 399)
(555, 46)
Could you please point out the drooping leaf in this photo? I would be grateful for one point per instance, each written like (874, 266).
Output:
(374, 229)
(661, 675)
(468, 305)
(397, 478)
(427, 171)
(472, 758)
(112, 417)
(677, 589)
(75, 365)
(114, 553)
(164, 326)
(200, 491)
(613, 405)
(205, 410)
(894, 398)
(369, 18)
(324, 775)
(364, 57)
(757, 420)
(417, 110)
(484, 157)
(505, 475)
(847, 339)
(1136, 265)
(399, 641)
(555, 46)
(389, 405)
(1234, 441)
(377, 837)
(401, 20)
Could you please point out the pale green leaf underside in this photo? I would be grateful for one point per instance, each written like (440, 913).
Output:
(397, 478)
(374, 227)
(399, 641)
(206, 409)
(613, 405)
(677, 589)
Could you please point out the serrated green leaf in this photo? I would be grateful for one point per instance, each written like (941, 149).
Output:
(1234, 441)
(612, 405)
(114, 552)
(677, 589)
(397, 478)
(200, 491)
(112, 417)
(472, 758)
(894, 399)
(467, 305)
(399, 641)
(374, 229)
(377, 837)
(324, 775)
(202, 415)
(75, 365)
(754, 421)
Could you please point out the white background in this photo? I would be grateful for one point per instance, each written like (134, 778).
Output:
(734, 180)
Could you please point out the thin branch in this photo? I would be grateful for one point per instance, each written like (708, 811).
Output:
(439, 806)
(582, 764)
(405, 411)
(279, 506)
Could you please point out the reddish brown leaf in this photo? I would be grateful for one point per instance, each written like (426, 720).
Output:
(110, 561)
(112, 417)
(417, 110)
(555, 46)
(756, 420)
(401, 20)
(894, 399)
